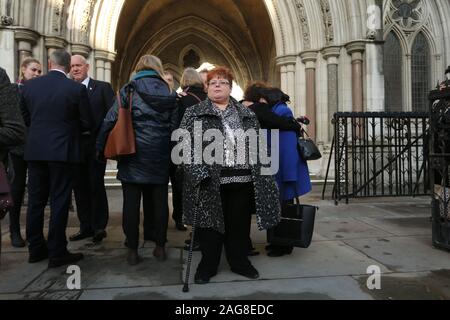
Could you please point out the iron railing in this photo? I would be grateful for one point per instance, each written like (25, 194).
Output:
(440, 166)
(380, 155)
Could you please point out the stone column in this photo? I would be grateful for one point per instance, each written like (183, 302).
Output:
(356, 50)
(287, 68)
(331, 55)
(81, 49)
(54, 43)
(309, 58)
(103, 62)
(25, 39)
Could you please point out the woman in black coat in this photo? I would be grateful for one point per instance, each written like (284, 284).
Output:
(12, 127)
(29, 69)
(146, 172)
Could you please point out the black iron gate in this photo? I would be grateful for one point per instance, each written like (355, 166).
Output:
(380, 155)
(439, 166)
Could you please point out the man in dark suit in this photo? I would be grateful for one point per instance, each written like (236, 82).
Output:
(57, 113)
(89, 184)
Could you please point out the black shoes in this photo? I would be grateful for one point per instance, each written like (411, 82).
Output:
(250, 273)
(201, 278)
(38, 256)
(65, 259)
(81, 235)
(17, 240)
(180, 226)
(252, 253)
(133, 257)
(275, 251)
(160, 253)
(99, 235)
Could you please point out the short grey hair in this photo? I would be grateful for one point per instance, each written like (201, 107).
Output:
(61, 58)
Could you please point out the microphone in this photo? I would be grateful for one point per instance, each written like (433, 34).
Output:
(304, 120)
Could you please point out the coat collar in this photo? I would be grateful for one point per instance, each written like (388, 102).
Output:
(206, 108)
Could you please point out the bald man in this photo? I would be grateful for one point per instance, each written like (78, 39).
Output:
(89, 185)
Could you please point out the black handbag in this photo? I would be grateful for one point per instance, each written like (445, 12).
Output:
(296, 227)
(308, 149)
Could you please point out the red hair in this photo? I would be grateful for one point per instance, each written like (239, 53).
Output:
(220, 72)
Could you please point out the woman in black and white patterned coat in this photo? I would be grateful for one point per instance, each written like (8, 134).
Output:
(219, 196)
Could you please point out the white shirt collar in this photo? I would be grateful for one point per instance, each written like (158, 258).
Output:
(59, 71)
(86, 82)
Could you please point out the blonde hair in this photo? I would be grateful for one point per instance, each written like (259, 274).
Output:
(191, 78)
(25, 63)
(150, 62)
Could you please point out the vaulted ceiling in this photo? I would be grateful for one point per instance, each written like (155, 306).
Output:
(235, 33)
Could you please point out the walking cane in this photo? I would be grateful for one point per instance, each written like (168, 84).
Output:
(191, 246)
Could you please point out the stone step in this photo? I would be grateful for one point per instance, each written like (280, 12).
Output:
(111, 182)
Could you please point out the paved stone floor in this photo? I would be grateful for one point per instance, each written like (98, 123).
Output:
(393, 234)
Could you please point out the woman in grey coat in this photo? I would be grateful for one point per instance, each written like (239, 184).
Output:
(219, 196)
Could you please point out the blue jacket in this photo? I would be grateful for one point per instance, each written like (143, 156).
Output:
(293, 175)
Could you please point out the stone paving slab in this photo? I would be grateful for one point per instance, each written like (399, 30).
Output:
(16, 273)
(411, 226)
(112, 271)
(433, 285)
(330, 258)
(403, 254)
(58, 295)
(326, 288)
(347, 228)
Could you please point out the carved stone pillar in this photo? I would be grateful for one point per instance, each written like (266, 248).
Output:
(81, 49)
(287, 68)
(25, 39)
(331, 55)
(356, 50)
(103, 62)
(54, 43)
(309, 58)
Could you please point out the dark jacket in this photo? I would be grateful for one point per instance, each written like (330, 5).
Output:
(201, 186)
(101, 99)
(12, 128)
(270, 120)
(57, 112)
(155, 116)
(193, 96)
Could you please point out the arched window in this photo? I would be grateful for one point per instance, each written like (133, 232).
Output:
(420, 73)
(393, 73)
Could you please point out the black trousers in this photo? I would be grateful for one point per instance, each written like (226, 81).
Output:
(90, 195)
(238, 202)
(18, 186)
(54, 179)
(177, 203)
(156, 198)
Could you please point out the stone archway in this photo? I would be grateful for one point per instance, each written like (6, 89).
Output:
(240, 37)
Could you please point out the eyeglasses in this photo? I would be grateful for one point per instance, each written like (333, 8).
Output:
(220, 83)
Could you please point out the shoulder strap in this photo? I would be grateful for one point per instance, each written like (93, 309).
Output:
(194, 95)
(130, 98)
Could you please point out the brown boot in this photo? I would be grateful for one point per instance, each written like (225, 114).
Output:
(160, 253)
(133, 257)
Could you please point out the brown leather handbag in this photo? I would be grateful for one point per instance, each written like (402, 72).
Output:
(121, 140)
